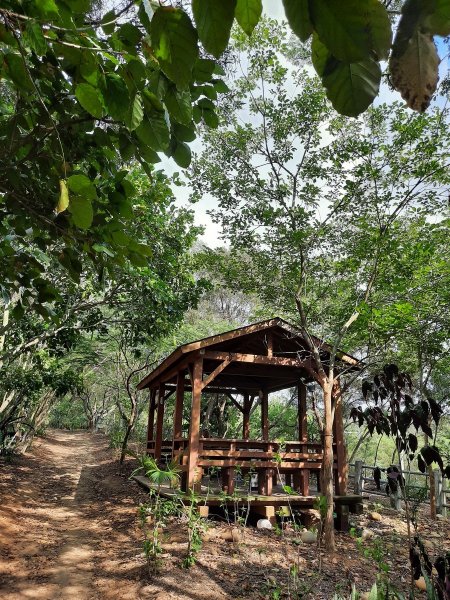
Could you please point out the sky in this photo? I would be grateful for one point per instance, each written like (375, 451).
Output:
(211, 235)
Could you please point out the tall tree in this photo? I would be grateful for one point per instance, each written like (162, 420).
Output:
(309, 200)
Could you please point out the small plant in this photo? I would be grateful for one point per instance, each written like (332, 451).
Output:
(195, 526)
(157, 510)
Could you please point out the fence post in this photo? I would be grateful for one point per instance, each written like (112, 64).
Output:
(438, 491)
(359, 481)
(444, 496)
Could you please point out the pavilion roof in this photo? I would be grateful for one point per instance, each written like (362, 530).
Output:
(291, 358)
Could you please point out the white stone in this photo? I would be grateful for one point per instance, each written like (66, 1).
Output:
(264, 524)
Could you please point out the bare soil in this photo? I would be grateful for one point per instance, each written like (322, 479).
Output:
(69, 530)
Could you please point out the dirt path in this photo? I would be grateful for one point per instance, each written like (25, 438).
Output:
(55, 505)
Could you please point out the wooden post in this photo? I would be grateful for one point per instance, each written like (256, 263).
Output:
(265, 481)
(151, 416)
(264, 414)
(301, 476)
(178, 414)
(194, 426)
(246, 417)
(338, 435)
(159, 422)
(302, 416)
(270, 344)
(359, 481)
(440, 493)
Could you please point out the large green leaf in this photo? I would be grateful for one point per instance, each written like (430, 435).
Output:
(439, 20)
(214, 19)
(17, 72)
(174, 43)
(116, 96)
(36, 38)
(414, 69)
(351, 87)
(81, 211)
(179, 105)
(90, 99)
(154, 132)
(352, 30)
(248, 13)
(135, 113)
(82, 185)
(297, 14)
(182, 155)
(108, 22)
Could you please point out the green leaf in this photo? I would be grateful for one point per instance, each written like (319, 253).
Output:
(89, 68)
(81, 211)
(63, 201)
(203, 70)
(214, 19)
(414, 69)
(135, 113)
(47, 8)
(154, 132)
(6, 37)
(174, 43)
(248, 14)
(36, 38)
(17, 72)
(220, 86)
(297, 14)
(439, 20)
(179, 105)
(182, 155)
(82, 185)
(116, 96)
(90, 99)
(183, 133)
(352, 30)
(351, 87)
(102, 248)
(129, 35)
(107, 23)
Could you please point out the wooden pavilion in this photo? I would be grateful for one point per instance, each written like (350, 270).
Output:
(250, 362)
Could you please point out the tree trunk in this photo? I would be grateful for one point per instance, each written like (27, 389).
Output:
(123, 450)
(327, 467)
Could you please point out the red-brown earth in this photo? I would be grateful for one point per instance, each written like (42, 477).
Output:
(69, 530)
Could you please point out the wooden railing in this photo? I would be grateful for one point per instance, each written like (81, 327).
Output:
(295, 460)
(247, 454)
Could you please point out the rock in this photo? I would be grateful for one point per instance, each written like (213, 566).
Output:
(440, 517)
(367, 534)
(375, 516)
(309, 537)
(420, 584)
(231, 535)
(264, 524)
(365, 596)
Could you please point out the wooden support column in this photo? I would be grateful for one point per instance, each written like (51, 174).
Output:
(264, 414)
(301, 477)
(246, 417)
(151, 416)
(194, 426)
(302, 416)
(341, 480)
(159, 422)
(178, 414)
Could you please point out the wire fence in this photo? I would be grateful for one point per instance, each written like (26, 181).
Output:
(417, 484)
